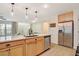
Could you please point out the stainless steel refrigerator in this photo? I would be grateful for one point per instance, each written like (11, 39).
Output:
(66, 34)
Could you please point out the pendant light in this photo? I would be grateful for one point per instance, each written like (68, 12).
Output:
(12, 10)
(36, 17)
(26, 16)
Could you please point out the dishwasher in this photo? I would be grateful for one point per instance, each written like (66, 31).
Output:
(47, 42)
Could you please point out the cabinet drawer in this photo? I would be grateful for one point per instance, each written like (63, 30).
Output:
(16, 43)
(9, 44)
(30, 41)
(40, 38)
(3, 45)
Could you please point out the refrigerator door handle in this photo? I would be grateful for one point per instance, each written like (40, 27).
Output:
(63, 29)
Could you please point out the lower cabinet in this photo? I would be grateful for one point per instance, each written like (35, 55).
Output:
(40, 45)
(31, 47)
(13, 48)
(4, 52)
(28, 47)
(17, 50)
(34, 46)
(13, 51)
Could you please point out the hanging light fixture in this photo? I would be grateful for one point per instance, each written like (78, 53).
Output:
(12, 10)
(36, 17)
(26, 16)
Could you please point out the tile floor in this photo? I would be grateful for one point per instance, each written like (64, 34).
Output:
(57, 50)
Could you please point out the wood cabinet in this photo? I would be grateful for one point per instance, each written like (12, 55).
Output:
(28, 47)
(40, 45)
(34, 46)
(4, 52)
(65, 17)
(31, 47)
(14, 48)
(17, 50)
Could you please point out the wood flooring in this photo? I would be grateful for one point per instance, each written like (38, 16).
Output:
(57, 50)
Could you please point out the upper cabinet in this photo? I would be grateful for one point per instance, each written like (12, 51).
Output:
(65, 17)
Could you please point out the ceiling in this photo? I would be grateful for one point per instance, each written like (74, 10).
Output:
(44, 14)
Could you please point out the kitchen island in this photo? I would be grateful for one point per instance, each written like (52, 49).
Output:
(23, 46)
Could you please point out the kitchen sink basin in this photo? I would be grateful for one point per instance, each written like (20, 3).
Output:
(31, 36)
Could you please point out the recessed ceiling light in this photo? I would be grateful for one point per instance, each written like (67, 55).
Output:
(45, 6)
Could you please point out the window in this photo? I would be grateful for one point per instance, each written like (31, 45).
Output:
(2, 29)
(5, 29)
(8, 29)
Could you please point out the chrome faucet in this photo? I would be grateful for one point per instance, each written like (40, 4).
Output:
(30, 30)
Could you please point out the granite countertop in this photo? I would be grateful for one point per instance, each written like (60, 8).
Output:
(17, 37)
(11, 38)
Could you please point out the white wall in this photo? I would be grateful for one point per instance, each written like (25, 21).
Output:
(76, 27)
(54, 32)
(45, 27)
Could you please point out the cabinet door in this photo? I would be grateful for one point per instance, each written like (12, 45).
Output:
(30, 47)
(17, 50)
(40, 45)
(4, 52)
(65, 17)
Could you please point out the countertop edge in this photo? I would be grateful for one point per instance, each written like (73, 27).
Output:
(25, 38)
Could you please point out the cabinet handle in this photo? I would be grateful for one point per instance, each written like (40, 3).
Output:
(8, 50)
(7, 45)
(35, 39)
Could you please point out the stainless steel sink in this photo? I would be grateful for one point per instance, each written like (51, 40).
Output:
(31, 36)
